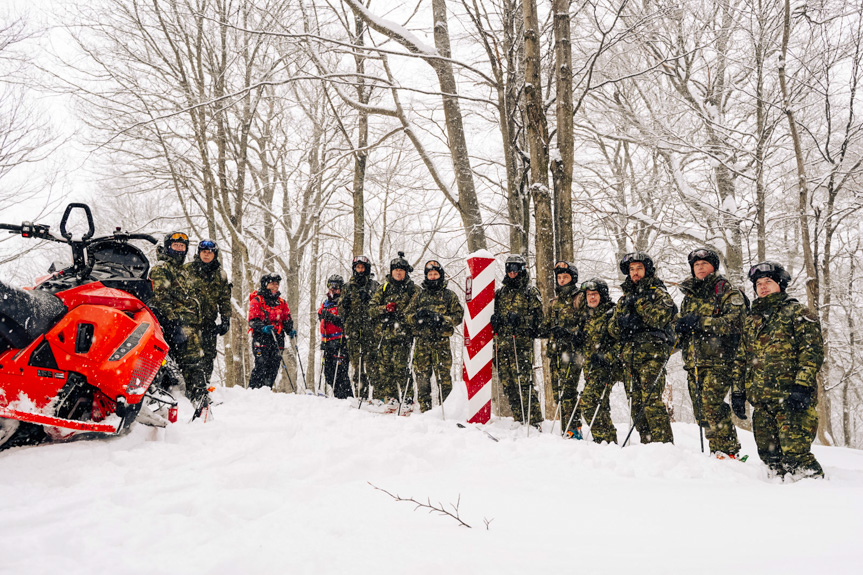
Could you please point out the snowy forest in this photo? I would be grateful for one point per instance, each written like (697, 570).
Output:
(299, 133)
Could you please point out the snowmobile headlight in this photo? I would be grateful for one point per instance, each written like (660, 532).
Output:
(130, 343)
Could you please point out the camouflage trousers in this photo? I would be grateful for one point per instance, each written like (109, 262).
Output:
(712, 413)
(362, 352)
(515, 371)
(432, 357)
(784, 438)
(208, 347)
(565, 371)
(393, 367)
(189, 358)
(596, 406)
(644, 366)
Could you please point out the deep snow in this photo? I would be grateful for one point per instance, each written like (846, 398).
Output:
(280, 484)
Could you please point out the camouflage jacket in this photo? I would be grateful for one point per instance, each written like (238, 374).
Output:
(562, 314)
(721, 308)
(596, 337)
(654, 308)
(211, 286)
(442, 301)
(174, 299)
(354, 305)
(523, 299)
(781, 346)
(392, 325)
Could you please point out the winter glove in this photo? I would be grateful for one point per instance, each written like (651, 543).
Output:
(268, 329)
(688, 324)
(435, 320)
(578, 338)
(223, 327)
(514, 319)
(292, 333)
(178, 336)
(391, 307)
(598, 360)
(559, 332)
(495, 322)
(738, 404)
(423, 317)
(333, 318)
(799, 399)
(629, 324)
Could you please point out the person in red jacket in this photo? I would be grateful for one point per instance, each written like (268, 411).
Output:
(269, 321)
(335, 352)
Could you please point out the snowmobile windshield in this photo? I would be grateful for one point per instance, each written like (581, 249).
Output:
(117, 260)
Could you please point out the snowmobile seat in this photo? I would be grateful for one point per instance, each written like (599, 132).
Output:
(25, 315)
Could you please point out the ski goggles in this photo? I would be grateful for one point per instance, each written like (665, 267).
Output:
(763, 268)
(362, 260)
(633, 257)
(433, 265)
(590, 286)
(514, 267)
(207, 245)
(699, 254)
(562, 267)
(179, 237)
(335, 286)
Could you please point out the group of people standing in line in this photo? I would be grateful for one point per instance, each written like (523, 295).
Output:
(768, 355)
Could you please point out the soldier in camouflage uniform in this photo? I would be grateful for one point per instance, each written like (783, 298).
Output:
(359, 329)
(708, 327)
(601, 368)
(563, 328)
(776, 366)
(641, 323)
(517, 321)
(176, 305)
(213, 290)
(387, 309)
(433, 314)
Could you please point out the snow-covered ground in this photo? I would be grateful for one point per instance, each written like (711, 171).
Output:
(281, 484)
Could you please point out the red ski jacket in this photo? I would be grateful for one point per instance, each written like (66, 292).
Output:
(262, 313)
(329, 330)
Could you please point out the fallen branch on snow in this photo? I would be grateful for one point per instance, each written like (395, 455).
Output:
(439, 509)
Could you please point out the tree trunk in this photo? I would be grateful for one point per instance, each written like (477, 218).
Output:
(562, 163)
(537, 134)
(361, 155)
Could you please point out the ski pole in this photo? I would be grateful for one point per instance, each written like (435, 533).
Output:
(572, 415)
(282, 360)
(439, 386)
(321, 372)
(647, 397)
(698, 392)
(336, 371)
(299, 361)
(361, 367)
(403, 394)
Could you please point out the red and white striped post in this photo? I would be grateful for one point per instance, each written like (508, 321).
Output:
(478, 336)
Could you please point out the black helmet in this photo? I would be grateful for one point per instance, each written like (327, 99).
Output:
(642, 257)
(209, 245)
(361, 260)
(269, 277)
(171, 252)
(515, 263)
(400, 263)
(597, 285)
(705, 254)
(335, 281)
(564, 267)
(771, 270)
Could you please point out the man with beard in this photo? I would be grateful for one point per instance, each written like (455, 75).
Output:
(641, 323)
(433, 314)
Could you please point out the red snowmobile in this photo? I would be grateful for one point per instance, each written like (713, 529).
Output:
(79, 352)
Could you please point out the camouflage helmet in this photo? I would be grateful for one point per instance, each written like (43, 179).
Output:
(649, 268)
(597, 285)
(400, 263)
(703, 254)
(771, 270)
